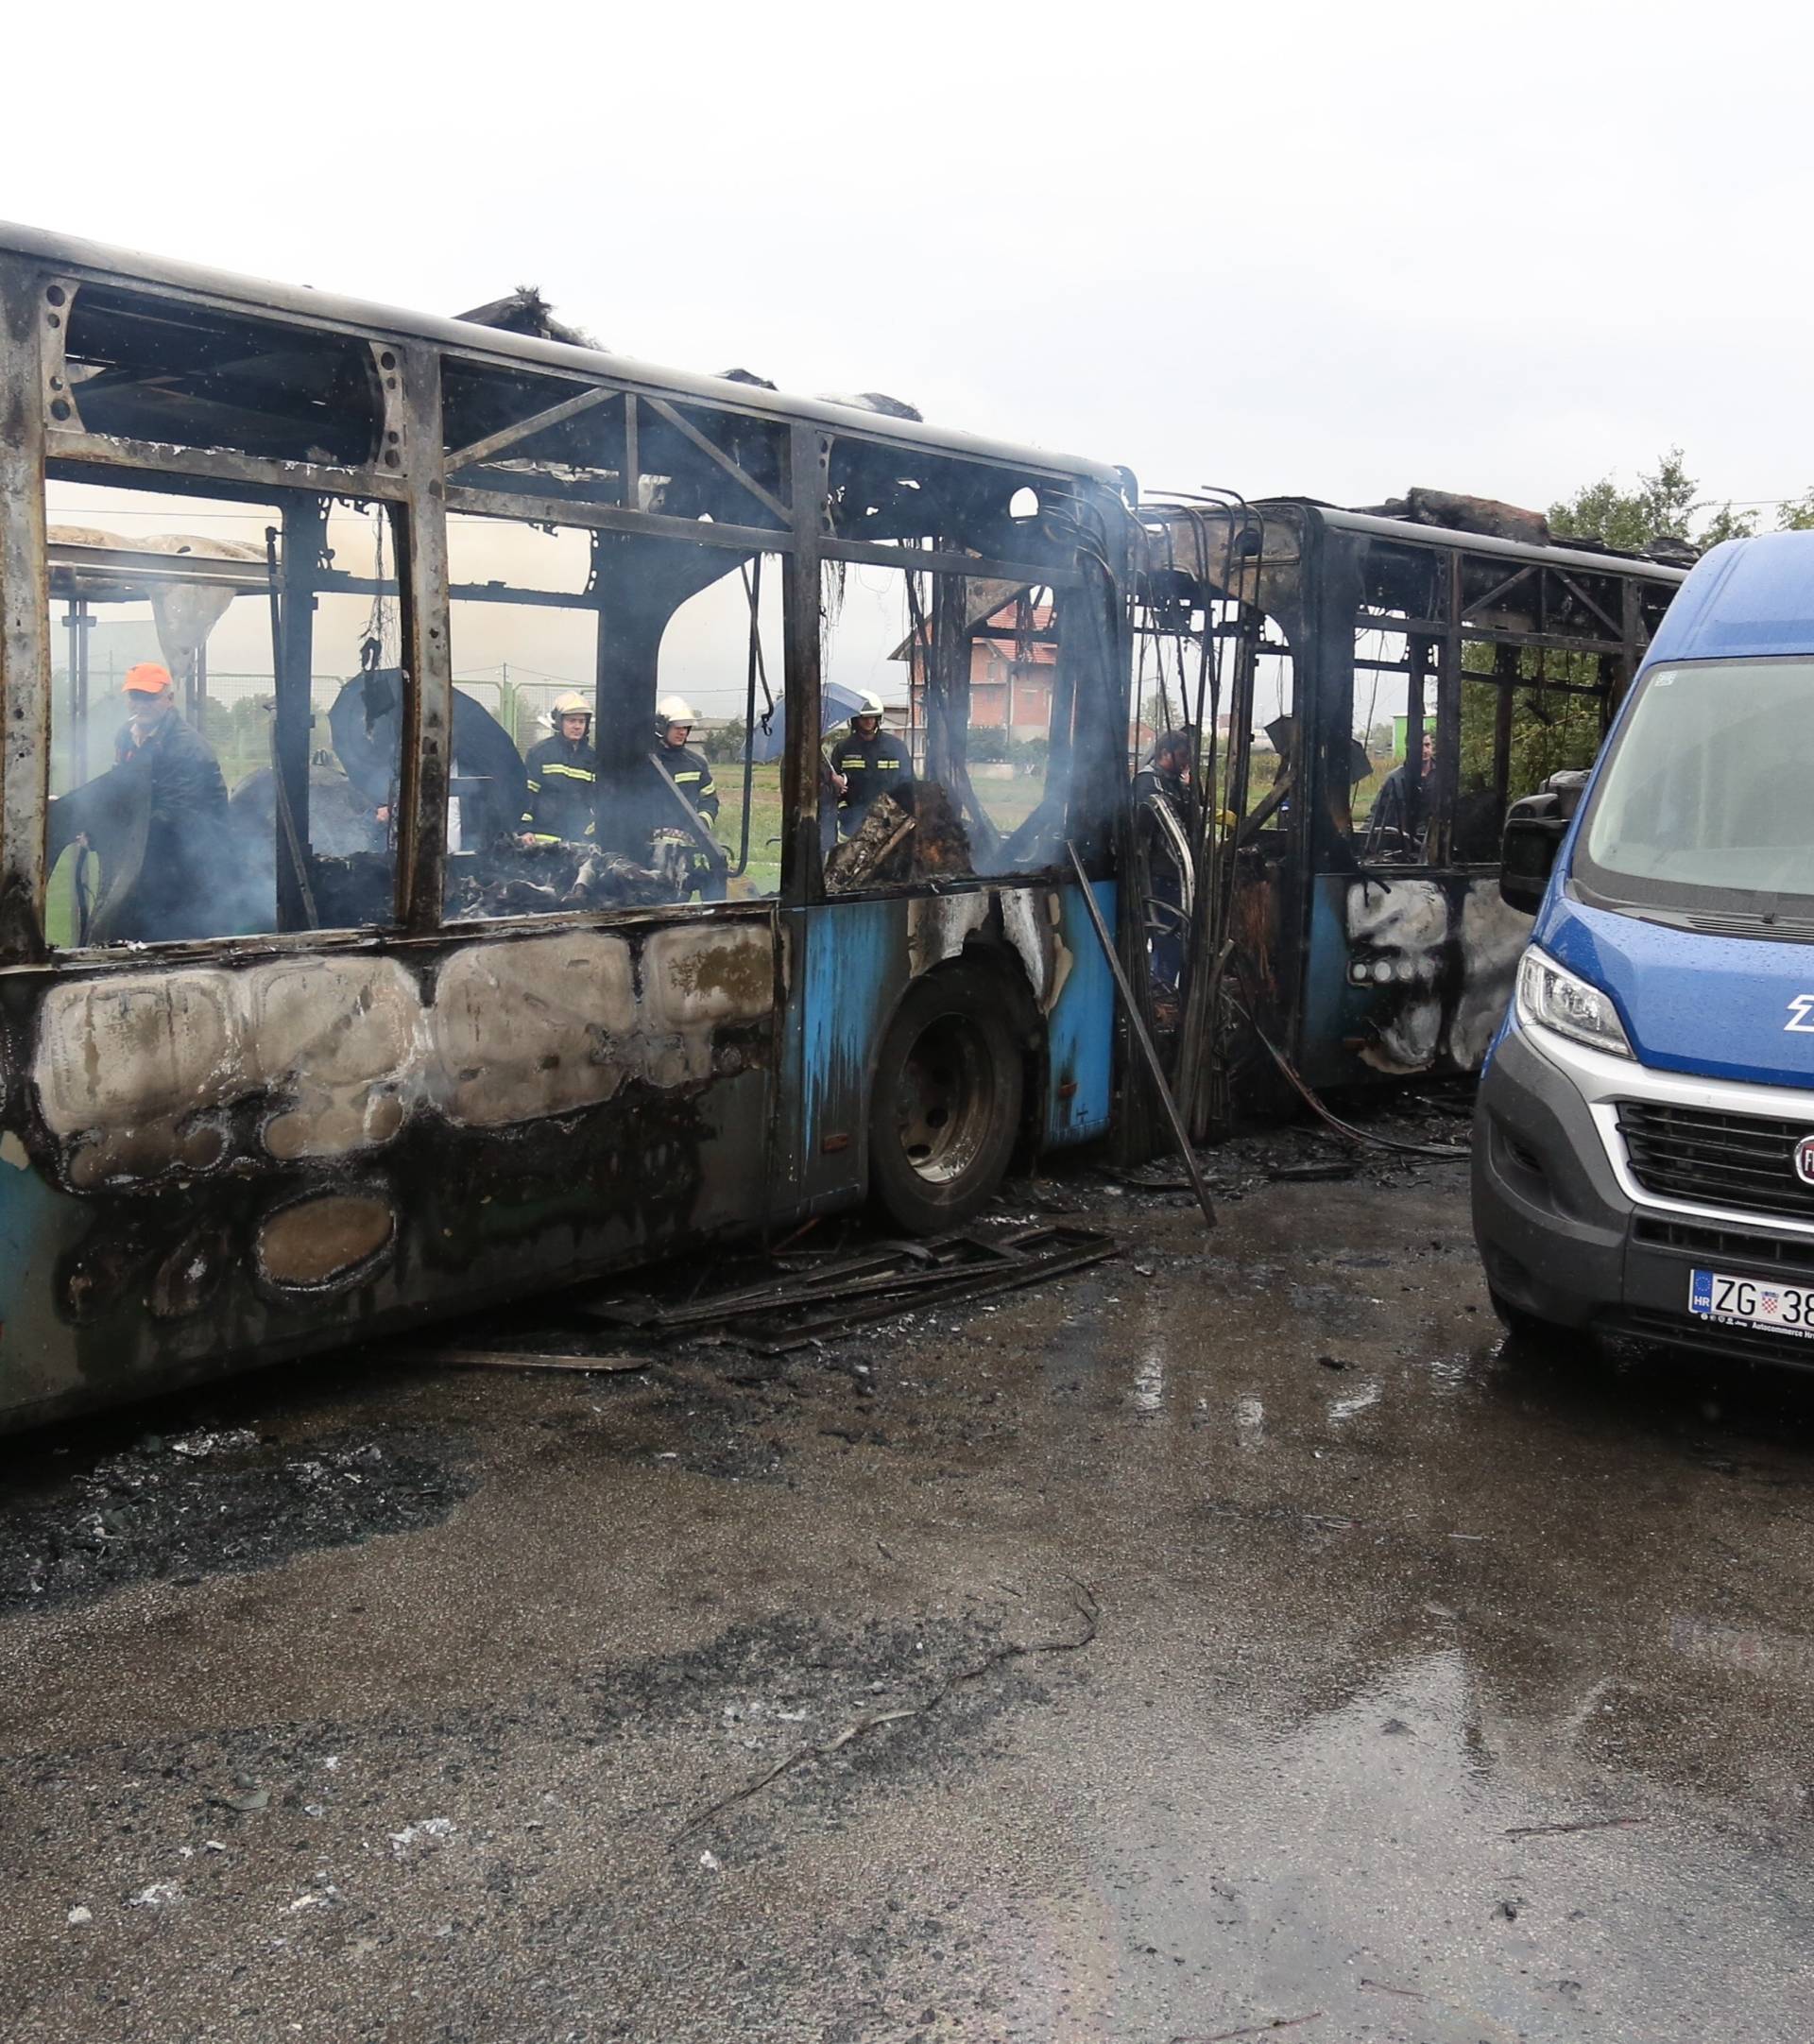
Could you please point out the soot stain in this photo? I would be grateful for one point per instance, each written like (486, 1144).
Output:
(220, 1504)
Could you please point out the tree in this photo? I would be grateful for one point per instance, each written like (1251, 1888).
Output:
(1726, 523)
(1552, 731)
(1659, 508)
(1663, 506)
(725, 745)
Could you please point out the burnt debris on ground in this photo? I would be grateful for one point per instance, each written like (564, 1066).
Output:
(828, 1299)
(831, 1279)
(215, 1501)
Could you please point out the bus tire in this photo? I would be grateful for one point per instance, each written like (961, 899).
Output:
(945, 1111)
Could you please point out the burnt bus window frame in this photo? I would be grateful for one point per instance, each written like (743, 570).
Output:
(1467, 582)
(617, 731)
(622, 666)
(300, 517)
(523, 434)
(947, 515)
(101, 411)
(1071, 698)
(36, 297)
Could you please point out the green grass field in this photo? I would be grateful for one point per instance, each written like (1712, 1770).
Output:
(764, 874)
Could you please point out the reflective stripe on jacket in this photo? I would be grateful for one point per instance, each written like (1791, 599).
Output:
(561, 777)
(690, 773)
(870, 766)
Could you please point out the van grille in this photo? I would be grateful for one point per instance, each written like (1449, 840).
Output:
(1713, 1160)
(1726, 1246)
(1688, 1331)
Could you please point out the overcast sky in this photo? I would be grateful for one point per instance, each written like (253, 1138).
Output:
(1330, 249)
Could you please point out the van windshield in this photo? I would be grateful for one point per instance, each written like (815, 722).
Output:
(1707, 800)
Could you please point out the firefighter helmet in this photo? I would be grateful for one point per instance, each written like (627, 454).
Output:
(868, 704)
(570, 703)
(674, 709)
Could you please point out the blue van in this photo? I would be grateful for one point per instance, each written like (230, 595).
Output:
(1644, 1137)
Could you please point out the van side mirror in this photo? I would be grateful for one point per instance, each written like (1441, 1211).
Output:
(1535, 829)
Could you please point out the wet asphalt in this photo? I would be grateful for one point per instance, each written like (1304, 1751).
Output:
(1234, 1637)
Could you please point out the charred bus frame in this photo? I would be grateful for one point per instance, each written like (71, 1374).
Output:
(228, 1148)
(1351, 954)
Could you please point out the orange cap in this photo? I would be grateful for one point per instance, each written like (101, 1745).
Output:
(146, 678)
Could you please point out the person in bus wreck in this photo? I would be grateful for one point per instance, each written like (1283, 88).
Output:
(1403, 803)
(1165, 777)
(689, 770)
(870, 761)
(561, 775)
(179, 876)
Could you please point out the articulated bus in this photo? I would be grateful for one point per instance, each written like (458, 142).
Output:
(364, 1054)
(1371, 689)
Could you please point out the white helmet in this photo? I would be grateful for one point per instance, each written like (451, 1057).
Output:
(570, 704)
(674, 709)
(870, 705)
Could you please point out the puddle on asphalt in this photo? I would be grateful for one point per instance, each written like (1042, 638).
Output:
(1403, 1850)
(1357, 1401)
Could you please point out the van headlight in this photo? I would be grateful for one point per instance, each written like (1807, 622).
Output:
(1553, 999)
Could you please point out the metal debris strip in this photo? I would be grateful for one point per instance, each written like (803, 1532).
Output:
(1258, 2029)
(1142, 1038)
(526, 1359)
(782, 1314)
(1585, 1824)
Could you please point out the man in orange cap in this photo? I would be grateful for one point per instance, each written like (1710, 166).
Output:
(186, 838)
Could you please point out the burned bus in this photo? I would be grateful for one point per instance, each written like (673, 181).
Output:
(312, 1038)
(1368, 692)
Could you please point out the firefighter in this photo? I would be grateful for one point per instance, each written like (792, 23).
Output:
(563, 778)
(870, 761)
(179, 876)
(688, 769)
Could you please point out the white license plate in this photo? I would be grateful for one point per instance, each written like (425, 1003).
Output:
(1789, 1309)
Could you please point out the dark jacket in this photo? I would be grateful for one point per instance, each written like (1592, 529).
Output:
(180, 879)
(562, 781)
(1402, 804)
(1150, 781)
(692, 775)
(872, 766)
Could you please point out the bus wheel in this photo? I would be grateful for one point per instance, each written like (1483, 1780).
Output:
(947, 1103)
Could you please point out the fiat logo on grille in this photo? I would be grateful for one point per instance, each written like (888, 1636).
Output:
(1805, 1160)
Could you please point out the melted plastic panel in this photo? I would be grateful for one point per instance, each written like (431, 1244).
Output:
(1032, 923)
(336, 1038)
(326, 1241)
(143, 1074)
(1492, 936)
(130, 1071)
(696, 980)
(138, 1073)
(1429, 967)
(533, 1028)
(939, 925)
